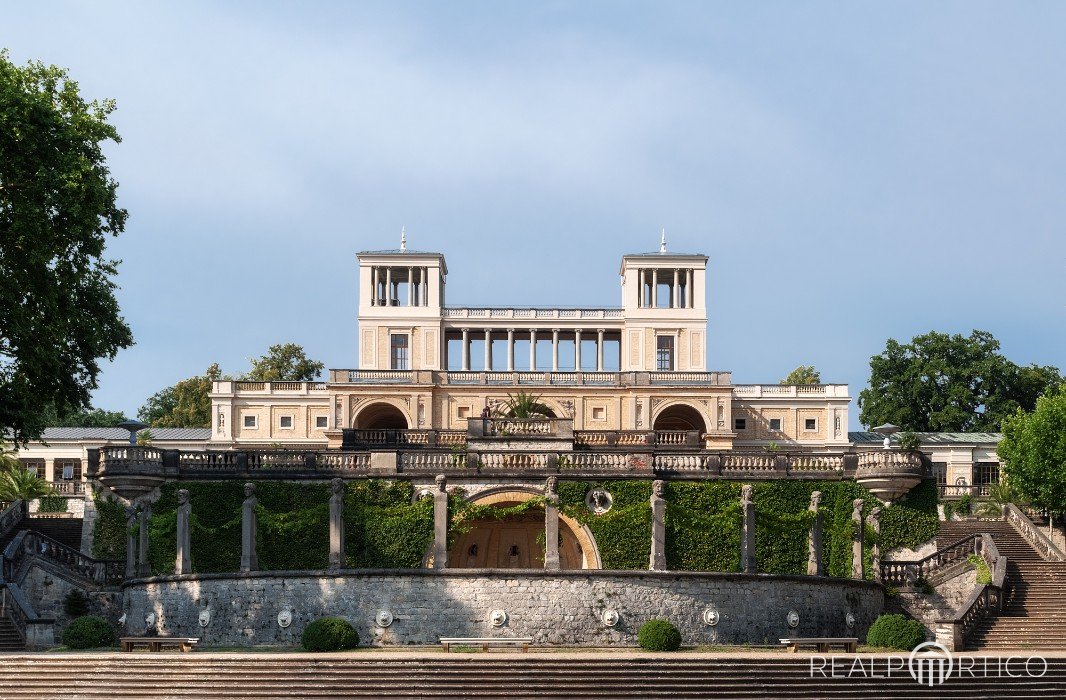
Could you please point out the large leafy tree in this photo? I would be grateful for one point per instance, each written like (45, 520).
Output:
(1033, 450)
(286, 362)
(187, 404)
(951, 383)
(804, 374)
(83, 418)
(58, 313)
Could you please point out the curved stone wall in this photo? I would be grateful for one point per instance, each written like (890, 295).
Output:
(552, 607)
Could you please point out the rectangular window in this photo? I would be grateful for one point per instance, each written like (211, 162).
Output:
(321, 421)
(740, 424)
(251, 421)
(400, 355)
(285, 422)
(810, 424)
(33, 465)
(940, 471)
(775, 424)
(985, 474)
(69, 469)
(664, 353)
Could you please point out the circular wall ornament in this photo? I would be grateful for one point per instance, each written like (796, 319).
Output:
(498, 618)
(849, 620)
(793, 619)
(150, 619)
(423, 493)
(205, 617)
(711, 617)
(599, 501)
(285, 618)
(610, 617)
(383, 618)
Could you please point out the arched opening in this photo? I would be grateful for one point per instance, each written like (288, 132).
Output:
(381, 416)
(680, 417)
(517, 542)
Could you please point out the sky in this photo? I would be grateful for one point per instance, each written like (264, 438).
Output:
(854, 171)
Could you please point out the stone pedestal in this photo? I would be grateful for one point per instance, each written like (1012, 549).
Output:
(815, 565)
(658, 527)
(131, 542)
(874, 521)
(336, 524)
(747, 534)
(183, 560)
(249, 529)
(857, 539)
(143, 568)
(440, 523)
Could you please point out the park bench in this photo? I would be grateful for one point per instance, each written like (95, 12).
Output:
(822, 644)
(158, 643)
(485, 642)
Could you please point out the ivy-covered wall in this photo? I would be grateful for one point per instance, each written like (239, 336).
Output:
(623, 533)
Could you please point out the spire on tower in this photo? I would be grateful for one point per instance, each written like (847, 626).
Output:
(403, 239)
(662, 242)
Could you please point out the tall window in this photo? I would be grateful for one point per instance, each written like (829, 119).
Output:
(940, 471)
(400, 355)
(985, 473)
(664, 353)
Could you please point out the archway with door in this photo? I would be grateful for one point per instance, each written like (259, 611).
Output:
(517, 542)
(381, 415)
(680, 416)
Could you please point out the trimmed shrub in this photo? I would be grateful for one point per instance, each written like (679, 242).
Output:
(88, 632)
(75, 604)
(329, 634)
(659, 635)
(895, 632)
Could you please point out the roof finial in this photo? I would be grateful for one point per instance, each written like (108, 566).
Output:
(403, 239)
(662, 242)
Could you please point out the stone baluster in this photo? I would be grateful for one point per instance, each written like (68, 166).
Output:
(440, 523)
(143, 567)
(551, 525)
(658, 527)
(183, 560)
(131, 541)
(747, 535)
(815, 567)
(856, 539)
(336, 524)
(249, 529)
(874, 520)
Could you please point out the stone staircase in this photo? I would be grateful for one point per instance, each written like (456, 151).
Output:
(10, 640)
(1034, 610)
(63, 530)
(496, 675)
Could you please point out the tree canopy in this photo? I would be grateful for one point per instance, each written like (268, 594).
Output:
(187, 404)
(58, 313)
(950, 383)
(286, 362)
(83, 418)
(1033, 450)
(804, 374)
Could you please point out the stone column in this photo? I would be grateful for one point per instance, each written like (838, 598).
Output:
(555, 350)
(131, 542)
(689, 290)
(510, 349)
(655, 288)
(551, 525)
(143, 568)
(183, 561)
(747, 533)
(374, 286)
(488, 350)
(336, 524)
(815, 567)
(856, 539)
(658, 527)
(577, 350)
(874, 520)
(466, 349)
(599, 349)
(424, 285)
(532, 350)
(675, 297)
(388, 286)
(249, 529)
(640, 288)
(440, 523)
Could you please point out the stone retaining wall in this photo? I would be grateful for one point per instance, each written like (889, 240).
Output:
(565, 608)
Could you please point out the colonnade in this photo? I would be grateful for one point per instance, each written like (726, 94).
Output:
(577, 335)
(385, 285)
(680, 280)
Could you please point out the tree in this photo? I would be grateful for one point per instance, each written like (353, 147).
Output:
(83, 418)
(524, 405)
(804, 374)
(187, 404)
(58, 313)
(285, 363)
(1033, 450)
(950, 383)
(22, 484)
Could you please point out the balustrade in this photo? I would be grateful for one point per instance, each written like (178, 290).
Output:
(12, 516)
(545, 378)
(1032, 534)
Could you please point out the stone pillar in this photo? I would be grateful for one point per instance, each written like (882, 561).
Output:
(675, 296)
(655, 288)
(599, 349)
(488, 350)
(424, 285)
(510, 349)
(577, 350)
(336, 524)
(689, 289)
(532, 350)
(410, 286)
(131, 542)
(555, 350)
(856, 539)
(640, 288)
(551, 525)
(143, 568)
(388, 286)
(466, 349)
(747, 533)
(249, 529)
(183, 560)
(815, 567)
(440, 523)
(374, 286)
(874, 521)
(658, 527)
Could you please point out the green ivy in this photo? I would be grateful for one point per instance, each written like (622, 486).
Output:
(109, 530)
(622, 534)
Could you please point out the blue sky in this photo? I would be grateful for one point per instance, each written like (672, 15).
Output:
(855, 171)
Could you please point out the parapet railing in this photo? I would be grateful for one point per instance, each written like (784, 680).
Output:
(1027, 529)
(958, 491)
(985, 600)
(906, 573)
(549, 378)
(15, 606)
(531, 312)
(12, 516)
(28, 544)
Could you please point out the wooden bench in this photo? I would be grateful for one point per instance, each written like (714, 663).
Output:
(822, 644)
(158, 643)
(486, 642)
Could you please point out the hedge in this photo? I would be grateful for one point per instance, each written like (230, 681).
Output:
(329, 634)
(89, 632)
(659, 635)
(895, 632)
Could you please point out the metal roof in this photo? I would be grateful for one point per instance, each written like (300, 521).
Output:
(165, 434)
(931, 438)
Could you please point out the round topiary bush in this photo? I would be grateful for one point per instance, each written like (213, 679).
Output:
(88, 632)
(659, 635)
(895, 632)
(329, 634)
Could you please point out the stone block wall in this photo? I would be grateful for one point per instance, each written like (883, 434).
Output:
(555, 608)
